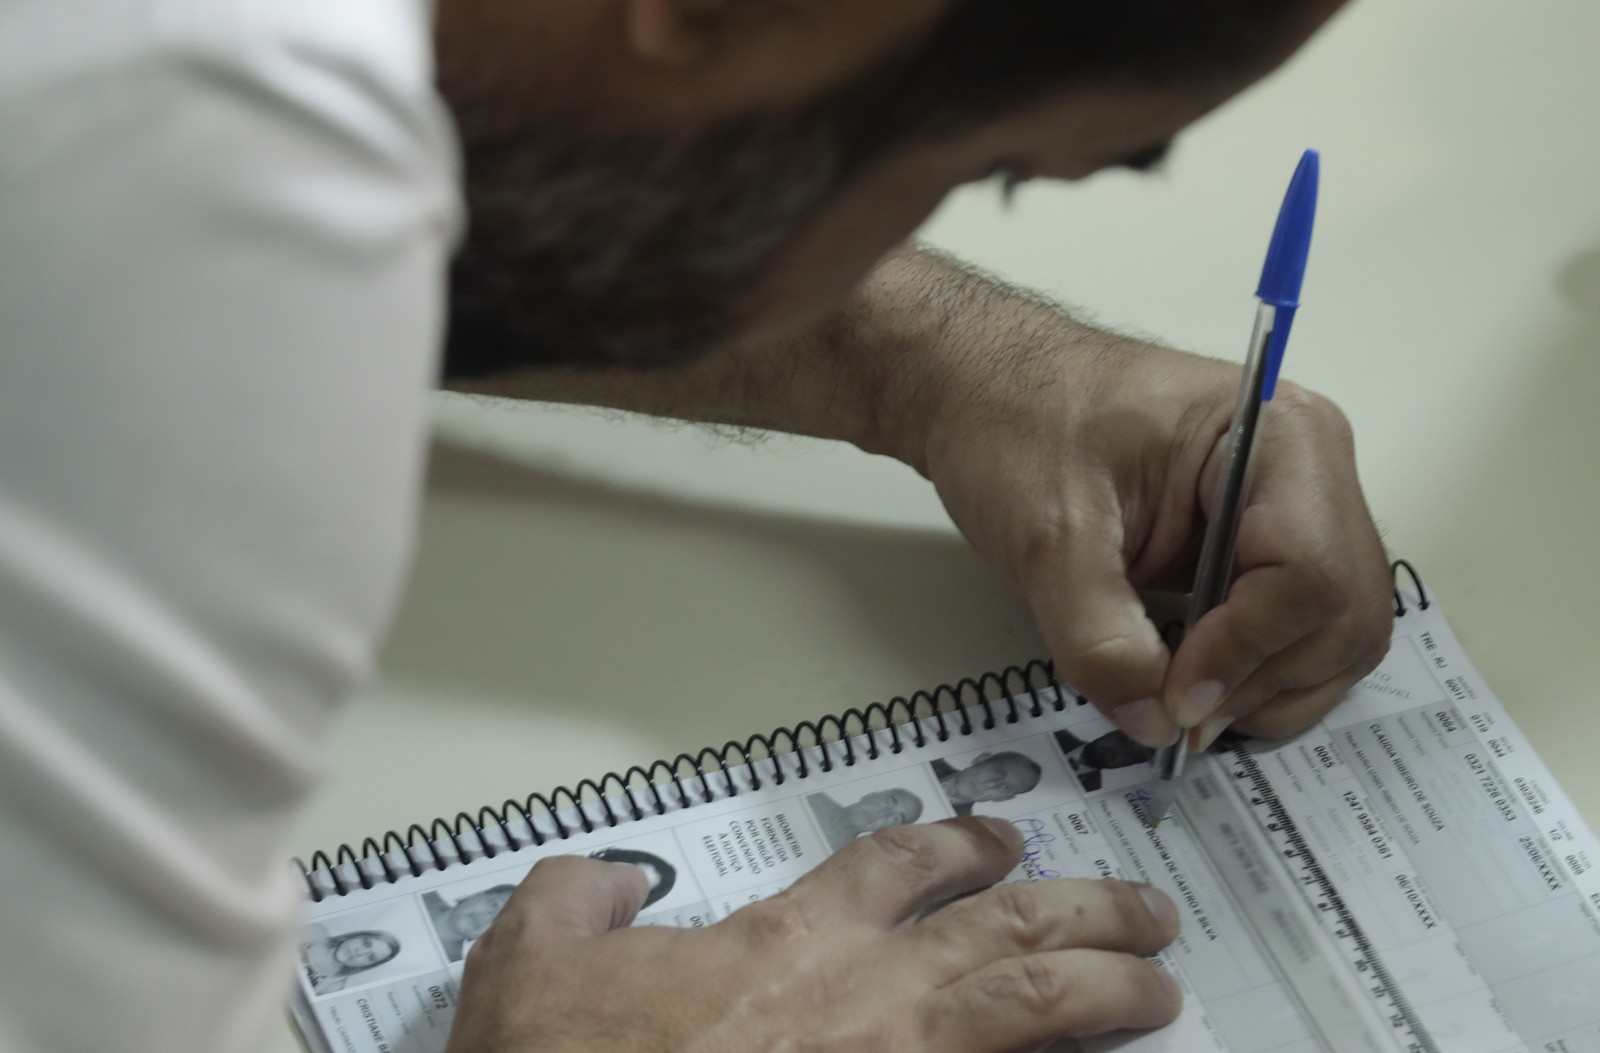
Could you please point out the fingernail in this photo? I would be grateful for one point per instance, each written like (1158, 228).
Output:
(1173, 988)
(636, 875)
(1208, 732)
(1160, 907)
(1146, 722)
(1004, 829)
(1199, 702)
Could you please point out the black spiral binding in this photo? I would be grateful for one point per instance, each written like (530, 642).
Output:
(912, 722)
(686, 780)
(1395, 570)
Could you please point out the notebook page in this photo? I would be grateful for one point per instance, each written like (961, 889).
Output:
(1474, 870)
(1457, 852)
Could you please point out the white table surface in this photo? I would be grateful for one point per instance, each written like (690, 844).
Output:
(593, 591)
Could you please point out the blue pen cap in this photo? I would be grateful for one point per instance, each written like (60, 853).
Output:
(1285, 269)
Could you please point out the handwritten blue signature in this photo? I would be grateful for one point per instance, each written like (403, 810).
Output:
(1035, 836)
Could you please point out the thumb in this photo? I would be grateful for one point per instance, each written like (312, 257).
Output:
(1095, 625)
(565, 899)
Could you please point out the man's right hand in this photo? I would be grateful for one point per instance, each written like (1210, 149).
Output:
(845, 959)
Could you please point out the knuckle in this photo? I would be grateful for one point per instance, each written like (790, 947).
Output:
(1020, 916)
(779, 919)
(1038, 989)
(1026, 985)
(1320, 410)
(911, 850)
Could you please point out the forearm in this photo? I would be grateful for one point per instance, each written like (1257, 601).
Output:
(871, 373)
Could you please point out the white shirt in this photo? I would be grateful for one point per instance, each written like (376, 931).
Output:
(223, 232)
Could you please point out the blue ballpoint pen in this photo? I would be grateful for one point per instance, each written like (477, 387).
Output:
(1279, 293)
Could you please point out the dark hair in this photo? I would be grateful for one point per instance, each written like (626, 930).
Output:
(1030, 765)
(1115, 749)
(984, 57)
(560, 212)
(666, 873)
(388, 938)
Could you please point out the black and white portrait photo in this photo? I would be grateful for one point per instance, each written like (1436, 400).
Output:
(332, 960)
(842, 823)
(459, 921)
(368, 945)
(1112, 751)
(989, 777)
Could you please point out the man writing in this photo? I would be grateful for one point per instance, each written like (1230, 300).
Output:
(228, 235)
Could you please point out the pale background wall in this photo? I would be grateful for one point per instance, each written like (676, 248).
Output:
(592, 591)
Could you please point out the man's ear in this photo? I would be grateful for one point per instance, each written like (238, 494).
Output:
(684, 33)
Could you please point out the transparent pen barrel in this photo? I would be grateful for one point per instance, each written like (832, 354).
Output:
(1214, 573)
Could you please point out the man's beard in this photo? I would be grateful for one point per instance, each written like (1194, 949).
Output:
(586, 250)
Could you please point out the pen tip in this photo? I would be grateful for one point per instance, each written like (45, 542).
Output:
(1157, 803)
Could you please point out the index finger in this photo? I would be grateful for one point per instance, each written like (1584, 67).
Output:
(1031, 917)
(1268, 610)
(565, 899)
(889, 876)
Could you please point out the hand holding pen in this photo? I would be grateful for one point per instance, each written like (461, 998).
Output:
(1082, 466)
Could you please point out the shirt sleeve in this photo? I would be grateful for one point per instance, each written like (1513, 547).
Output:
(223, 234)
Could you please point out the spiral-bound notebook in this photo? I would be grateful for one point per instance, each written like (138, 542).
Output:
(1416, 821)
